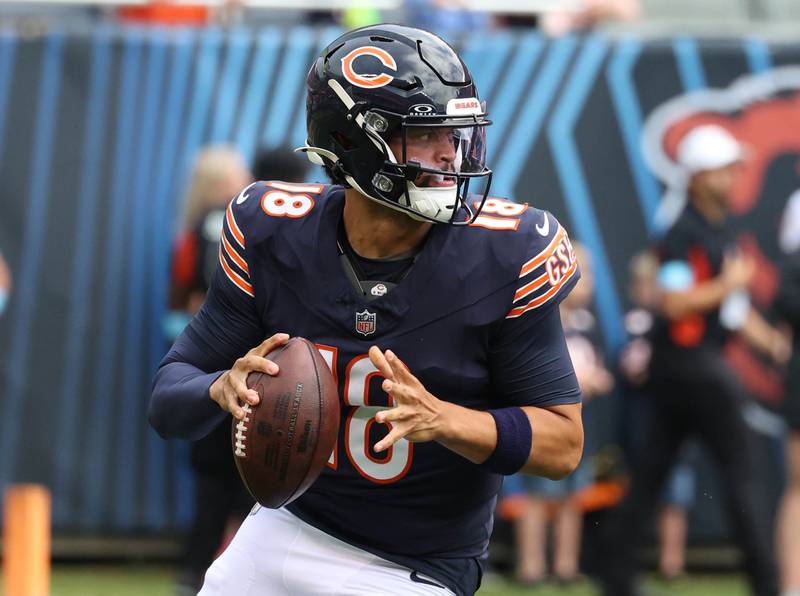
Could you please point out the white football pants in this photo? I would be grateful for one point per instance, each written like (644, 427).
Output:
(275, 553)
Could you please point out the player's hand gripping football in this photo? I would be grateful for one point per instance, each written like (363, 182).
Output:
(230, 389)
(417, 414)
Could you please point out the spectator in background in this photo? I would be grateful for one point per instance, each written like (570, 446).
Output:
(219, 174)
(540, 499)
(445, 17)
(589, 14)
(160, 12)
(788, 521)
(703, 283)
(5, 284)
(360, 16)
(643, 292)
(280, 164)
(634, 366)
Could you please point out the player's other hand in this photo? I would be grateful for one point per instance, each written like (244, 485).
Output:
(738, 270)
(230, 389)
(417, 414)
(780, 348)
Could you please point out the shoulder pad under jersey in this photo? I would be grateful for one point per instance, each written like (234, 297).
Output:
(533, 248)
(256, 214)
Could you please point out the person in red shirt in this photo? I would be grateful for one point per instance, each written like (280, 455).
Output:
(703, 281)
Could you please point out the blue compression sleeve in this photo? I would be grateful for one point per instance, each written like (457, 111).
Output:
(181, 406)
(225, 329)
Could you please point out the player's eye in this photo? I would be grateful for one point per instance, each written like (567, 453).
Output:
(420, 134)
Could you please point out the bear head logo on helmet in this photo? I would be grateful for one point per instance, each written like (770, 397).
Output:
(388, 86)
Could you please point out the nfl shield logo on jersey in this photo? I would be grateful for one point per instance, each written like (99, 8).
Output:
(365, 322)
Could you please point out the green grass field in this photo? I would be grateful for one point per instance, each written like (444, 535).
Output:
(138, 580)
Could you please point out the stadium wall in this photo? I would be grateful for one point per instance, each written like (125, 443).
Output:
(97, 132)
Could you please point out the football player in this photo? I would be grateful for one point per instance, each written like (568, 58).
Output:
(436, 310)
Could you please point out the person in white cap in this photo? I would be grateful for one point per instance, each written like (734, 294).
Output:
(703, 282)
(709, 148)
(711, 158)
(708, 155)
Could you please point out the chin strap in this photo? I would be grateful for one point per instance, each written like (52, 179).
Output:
(386, 203)
(315, 154)
(435, 203)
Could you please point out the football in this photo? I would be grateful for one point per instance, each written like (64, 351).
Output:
(282, 444)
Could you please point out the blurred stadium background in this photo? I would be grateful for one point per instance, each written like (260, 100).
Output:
(104, 105)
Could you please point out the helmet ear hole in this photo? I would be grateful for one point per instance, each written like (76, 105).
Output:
(407, 85)
(345, 143)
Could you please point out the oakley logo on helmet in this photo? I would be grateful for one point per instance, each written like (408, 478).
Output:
(368, 81)
(423, 108)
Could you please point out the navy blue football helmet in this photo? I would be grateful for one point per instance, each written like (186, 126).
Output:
(386, 84)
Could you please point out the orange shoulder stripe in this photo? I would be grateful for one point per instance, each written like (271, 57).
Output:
(537, 302)
(235, 257)
(531, 287)
(542, 256)
(235, 277)
(235, 231)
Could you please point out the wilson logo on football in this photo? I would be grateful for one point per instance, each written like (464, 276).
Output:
(368, 80)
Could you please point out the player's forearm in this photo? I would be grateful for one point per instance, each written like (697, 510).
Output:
(557, 441)
(470, 433)
(557, 437)
(180, 406)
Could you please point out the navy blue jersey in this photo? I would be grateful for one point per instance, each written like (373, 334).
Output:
(474, 320)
